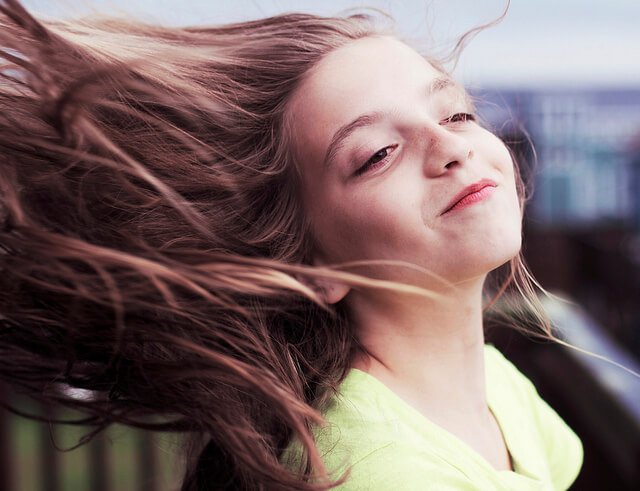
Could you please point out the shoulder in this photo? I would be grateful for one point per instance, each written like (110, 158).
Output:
(562, 447)
(357, 428)
(367, 437)
(354, 430)
(398, 466)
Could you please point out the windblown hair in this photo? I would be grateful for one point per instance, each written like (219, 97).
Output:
(152, 241)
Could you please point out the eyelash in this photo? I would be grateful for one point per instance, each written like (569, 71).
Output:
(455, 118)
(369, 163)
(460, 118)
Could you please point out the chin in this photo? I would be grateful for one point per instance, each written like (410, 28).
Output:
(510, 251)
(481, 263)
(502, 244)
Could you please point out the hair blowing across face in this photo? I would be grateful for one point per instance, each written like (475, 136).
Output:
(151, 236)
(148, 220)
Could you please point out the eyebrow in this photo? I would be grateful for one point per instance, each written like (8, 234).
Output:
(369, 119)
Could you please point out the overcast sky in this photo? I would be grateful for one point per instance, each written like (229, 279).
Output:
(540, 43)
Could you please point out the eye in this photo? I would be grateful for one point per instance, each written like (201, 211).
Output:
(379, 157)
(459, 118)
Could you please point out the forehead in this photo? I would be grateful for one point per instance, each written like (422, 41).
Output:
(369, 74)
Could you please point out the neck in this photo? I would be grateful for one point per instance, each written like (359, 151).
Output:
(430, 352)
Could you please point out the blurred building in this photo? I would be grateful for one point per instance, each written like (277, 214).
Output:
(588, 157)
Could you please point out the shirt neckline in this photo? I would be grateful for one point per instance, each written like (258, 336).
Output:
(356, 376)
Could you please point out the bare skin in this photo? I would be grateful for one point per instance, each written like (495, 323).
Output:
(382, 196)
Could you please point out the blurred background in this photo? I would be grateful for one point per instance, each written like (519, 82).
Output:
(560, 83)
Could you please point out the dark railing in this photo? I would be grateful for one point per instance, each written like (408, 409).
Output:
(119, 459)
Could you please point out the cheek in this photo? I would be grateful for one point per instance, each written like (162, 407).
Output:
(507, 229)
(501, 157)
(372, 224)
(511, 210)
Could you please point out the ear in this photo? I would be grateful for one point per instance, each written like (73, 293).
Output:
(330, 290)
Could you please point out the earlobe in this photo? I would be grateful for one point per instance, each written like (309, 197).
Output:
(331, 291)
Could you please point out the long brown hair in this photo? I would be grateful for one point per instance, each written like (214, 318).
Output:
(152, 245)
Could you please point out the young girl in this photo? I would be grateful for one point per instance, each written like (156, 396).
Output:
(273, 236)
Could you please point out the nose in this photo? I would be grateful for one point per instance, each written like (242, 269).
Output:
(446, 150)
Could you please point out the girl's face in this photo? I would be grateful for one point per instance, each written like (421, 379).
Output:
(385, 143)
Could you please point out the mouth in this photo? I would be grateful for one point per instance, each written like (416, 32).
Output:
(470, 195)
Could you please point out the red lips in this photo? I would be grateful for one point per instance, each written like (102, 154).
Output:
(473, 188)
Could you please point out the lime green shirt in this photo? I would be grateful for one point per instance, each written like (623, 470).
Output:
(392, 446)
